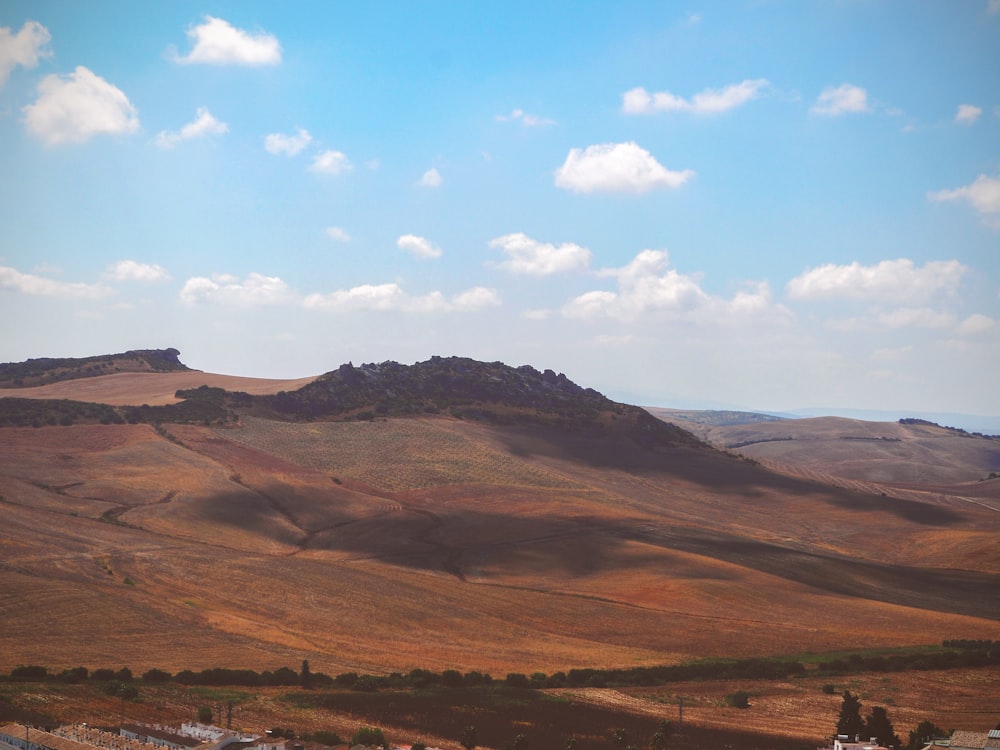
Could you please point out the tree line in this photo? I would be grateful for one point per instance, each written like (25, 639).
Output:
(957, 653)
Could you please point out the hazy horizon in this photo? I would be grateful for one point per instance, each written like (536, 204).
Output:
(773, 205)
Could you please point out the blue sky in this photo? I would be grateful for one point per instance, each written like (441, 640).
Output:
(770, 205)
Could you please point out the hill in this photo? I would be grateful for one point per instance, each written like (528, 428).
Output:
(909, 453)
(462, 515)
(47, 370)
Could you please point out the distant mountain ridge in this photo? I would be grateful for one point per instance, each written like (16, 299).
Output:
(469, 389)
(452, 386)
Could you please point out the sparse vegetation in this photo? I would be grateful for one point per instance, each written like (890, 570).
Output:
(46, 370)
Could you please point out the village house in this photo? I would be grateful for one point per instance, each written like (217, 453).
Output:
(963, 739)
(843, 742)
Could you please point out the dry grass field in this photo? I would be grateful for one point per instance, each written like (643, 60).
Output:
(442, 544)
(884, 452)
(152, 388)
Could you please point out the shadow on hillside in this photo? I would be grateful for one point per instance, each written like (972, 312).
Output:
(714, 470)
(463, 540)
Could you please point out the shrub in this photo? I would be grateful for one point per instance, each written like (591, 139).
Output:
(324, 737)
(29, 673)
(371, 736)
(739, 699)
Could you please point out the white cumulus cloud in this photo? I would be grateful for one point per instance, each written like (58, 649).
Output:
(331, 162)
(131, 270)
(645, 284)
(253, 291)
(202, 125)
(983, 195)
(529, 256)
(839, 100)
(638, 101)
(890, 280)
(23, 48)
(75, 107)
(40, 286)
(392, 298)
(616, 167)
(967, 114)
(289, 145)
(419, 247)
(217, 42)
(430, 179)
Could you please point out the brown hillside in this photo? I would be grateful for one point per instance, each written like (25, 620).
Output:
(884, 452)
(440, 543)
(153, 388)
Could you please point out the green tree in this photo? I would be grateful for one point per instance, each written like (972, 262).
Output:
(305, 676)
(663, 731)
(370, 736)
(571, 743)
(470, 737)
(156, 676)
(878, 725)
(850, 722)
(520, 742)
(204, 715)
(924, 731)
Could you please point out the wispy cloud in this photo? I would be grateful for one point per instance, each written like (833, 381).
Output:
(392, 298)
(289, 145)
(430, 179)
(219, 43)
(338, 234)
(204, 124)
(983, 195)
(975, 324)
(528, 256)
(616, 168)
(528, 120)
(967, 114)
(638, 101)
(331, 162)
(418, 247)
(841, 100)
(24, 48)
(76, 107)
(26, 283)
(131, 270)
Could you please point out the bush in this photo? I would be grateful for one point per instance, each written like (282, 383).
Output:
(371, 736)
(829, 689)
(324, 737)
(517, 680)
(29, 674)
(739, 699)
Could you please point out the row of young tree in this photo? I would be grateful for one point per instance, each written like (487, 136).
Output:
(959, 654)
(877, 724)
